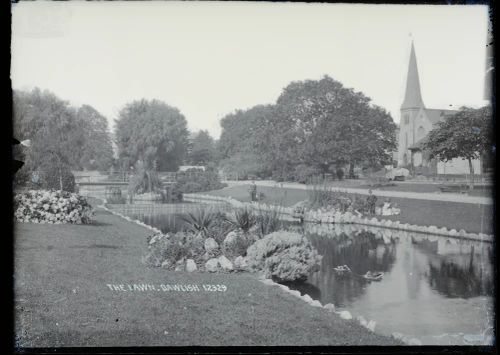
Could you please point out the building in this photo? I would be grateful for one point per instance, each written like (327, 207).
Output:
(415, 124)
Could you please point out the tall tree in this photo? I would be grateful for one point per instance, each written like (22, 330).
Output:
(467, 134)
(330, 124)
(153, 132)
(203, 149)
(51, 125)
(243, 143)
(97, 150)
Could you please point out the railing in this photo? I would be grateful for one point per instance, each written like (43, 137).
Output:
(165, 208)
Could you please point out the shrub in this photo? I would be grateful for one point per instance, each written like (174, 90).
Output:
(340, 173)
(242, 218)
(116, 199)
(268, 221)
(283, 256)
(176, 194)
(171, 248)
(319, 195)
(51, 178)
(144, 180)
(199, 221)
(53, 207)
(220, 227)
(194, 180)
(305, 173)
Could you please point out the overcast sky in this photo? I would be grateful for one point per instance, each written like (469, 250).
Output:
(210, 58)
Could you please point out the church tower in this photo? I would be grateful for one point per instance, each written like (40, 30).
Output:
(410, 109)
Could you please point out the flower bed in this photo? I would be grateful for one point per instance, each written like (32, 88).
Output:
(52, 206)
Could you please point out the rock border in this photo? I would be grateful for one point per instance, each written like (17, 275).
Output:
(127, 218)
(317, 216)
(346, 315)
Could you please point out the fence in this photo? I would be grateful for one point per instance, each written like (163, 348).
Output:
(174, 208)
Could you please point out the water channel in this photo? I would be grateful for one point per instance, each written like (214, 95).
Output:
(436, 289)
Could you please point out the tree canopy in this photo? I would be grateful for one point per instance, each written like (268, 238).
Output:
(334, 125)
(244, 140)
(314, 124)
(467, 134)
(152, 132)
(62, 137)
(203, 149)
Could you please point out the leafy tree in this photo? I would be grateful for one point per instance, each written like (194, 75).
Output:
(97, 150)
(153, 132)
(467, 134)
(63, 138)
(51, 125)
(144, 180)
(332, 125)
(203, 149)
(243, 144)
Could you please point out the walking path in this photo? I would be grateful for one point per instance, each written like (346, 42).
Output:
(444, 197)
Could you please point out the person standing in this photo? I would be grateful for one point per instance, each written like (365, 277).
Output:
(253, 191)
(371, 201)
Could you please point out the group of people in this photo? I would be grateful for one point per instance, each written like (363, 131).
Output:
(387, 209)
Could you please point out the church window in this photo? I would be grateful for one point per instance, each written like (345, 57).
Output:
(421, 132)
(407, 119)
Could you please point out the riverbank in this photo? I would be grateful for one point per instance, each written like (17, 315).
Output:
(69, 292)
(471, 217)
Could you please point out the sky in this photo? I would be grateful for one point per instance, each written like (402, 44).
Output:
(211, 58)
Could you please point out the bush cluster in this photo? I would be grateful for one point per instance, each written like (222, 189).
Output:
(284, 256)
(52, 206)
(340, 201)
(194, 180)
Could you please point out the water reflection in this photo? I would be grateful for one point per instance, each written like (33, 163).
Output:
(432, 285)
(362, 251)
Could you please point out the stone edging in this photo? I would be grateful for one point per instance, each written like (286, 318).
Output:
(370, 325)
(127, 218)
(337, 217)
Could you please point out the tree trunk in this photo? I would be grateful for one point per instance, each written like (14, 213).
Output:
(471, 170)
(351, 169)
(60, 171)
(60, 179)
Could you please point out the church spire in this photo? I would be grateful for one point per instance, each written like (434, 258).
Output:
(413, 98)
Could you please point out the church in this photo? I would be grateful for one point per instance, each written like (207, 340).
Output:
(415, 124)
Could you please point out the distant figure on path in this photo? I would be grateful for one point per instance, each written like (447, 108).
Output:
(371, 201)
(253, 191)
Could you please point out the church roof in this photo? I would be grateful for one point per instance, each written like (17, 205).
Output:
(413, 97)
(438, 115)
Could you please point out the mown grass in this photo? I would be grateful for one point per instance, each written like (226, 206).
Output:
(62, 298)
(474, 218)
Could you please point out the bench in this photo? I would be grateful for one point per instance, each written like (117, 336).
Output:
(454, 188)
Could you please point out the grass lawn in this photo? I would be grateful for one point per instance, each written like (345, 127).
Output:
(474, 218)
(416, 187)
(62, 298)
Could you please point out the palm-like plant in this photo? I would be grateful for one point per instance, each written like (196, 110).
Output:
(200, 220)
(243, 219)
(269, 221)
